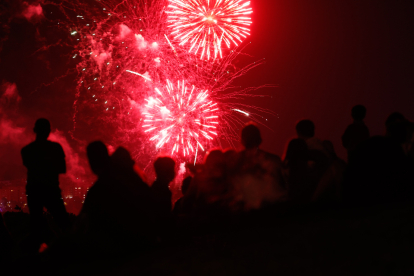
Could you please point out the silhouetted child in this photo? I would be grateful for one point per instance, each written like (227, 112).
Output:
(44, 161)
(357, 132)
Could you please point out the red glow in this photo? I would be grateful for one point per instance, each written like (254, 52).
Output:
(126, 53)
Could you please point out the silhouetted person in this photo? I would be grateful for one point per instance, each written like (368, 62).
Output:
(117, 216)
(297, 172)
(132, 199)
(305, 129)
(394, 119)
(357, 132)
(98, 157)
(210, 183)
(259, 180)
(380, 170)
(99, 162)
(44, 161)
(165, 173)
(179, 206)
(329, 189)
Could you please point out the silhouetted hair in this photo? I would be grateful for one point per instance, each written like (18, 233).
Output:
(98, 156)
(305, 128)
(42, 126)
(358, 112)
(165, 167)
(186, 184)
(251, 136)
(122, 158)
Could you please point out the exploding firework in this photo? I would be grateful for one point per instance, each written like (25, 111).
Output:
(181, 118)
(208, 24)
(126, 58)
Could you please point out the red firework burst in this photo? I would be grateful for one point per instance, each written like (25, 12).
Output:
(181, 118)
(206, 24)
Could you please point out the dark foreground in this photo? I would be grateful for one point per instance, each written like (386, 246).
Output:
(371, 241)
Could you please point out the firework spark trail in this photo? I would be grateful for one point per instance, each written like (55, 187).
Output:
(208, 24)
(126, 56)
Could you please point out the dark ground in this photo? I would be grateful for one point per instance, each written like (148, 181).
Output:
(369, 241)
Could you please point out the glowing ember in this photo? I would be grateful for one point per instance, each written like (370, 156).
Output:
(208, 24)
(181, 119)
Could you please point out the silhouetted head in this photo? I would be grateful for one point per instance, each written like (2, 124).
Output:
(98, 157)
(394, 118)
(358, 112)
(250, 136)
(305, 129)
(398, 128)
(296, 149)
(42, 129)
(122, 159)
(186, 184)
(165, 169)
(213, 157)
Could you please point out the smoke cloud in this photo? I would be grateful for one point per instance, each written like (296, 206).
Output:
(32, 12)
(16, 131)
(124, 30)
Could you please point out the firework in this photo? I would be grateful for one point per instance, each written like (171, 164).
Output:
(207, 25)
(131, 67)
(181, 118)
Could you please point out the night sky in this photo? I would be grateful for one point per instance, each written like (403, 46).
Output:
(329, 55)
(322, 56)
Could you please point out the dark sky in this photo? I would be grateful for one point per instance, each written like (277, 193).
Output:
(324, 55)
(328, 55)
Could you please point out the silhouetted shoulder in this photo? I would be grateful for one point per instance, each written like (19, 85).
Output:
(57, 147)
(27, 149)
(47, 145)
(40, 156)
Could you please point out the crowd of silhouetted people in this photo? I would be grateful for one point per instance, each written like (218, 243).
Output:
(123, 213)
